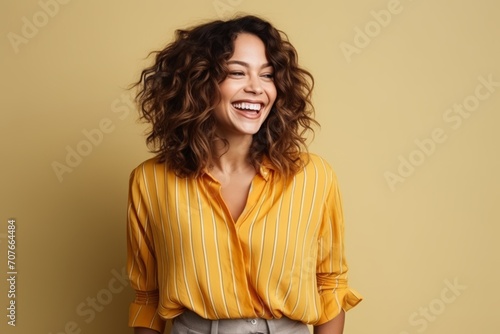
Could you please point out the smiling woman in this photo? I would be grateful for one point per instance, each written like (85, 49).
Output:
(233, 227)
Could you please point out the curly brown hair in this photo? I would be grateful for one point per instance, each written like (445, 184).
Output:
(179, 92)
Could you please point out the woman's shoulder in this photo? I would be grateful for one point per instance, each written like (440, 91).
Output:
(149, 167)
(319, 169)
(315, 161)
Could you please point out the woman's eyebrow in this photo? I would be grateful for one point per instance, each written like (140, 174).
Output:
(242, 63)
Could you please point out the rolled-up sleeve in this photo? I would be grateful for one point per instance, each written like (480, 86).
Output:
(332, 269)
(141, 260)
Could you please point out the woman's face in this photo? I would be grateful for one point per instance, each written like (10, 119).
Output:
(248, 92)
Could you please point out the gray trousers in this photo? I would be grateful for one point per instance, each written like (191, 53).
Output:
(191, 323)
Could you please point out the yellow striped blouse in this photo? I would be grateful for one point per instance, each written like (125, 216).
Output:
(284, 255)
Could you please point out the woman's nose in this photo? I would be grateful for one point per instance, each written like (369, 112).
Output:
(254, 85)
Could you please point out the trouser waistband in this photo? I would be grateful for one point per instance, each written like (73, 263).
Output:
(193, 323)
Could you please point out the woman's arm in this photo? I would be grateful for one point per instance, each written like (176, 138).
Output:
(334, 326)
(141, 257)
(142, 330)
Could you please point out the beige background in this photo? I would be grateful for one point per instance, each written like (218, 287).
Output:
(410, 234)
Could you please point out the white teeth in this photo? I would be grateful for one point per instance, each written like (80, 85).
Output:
(247, 106)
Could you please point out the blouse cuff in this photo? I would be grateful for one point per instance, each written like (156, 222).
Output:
(336, 300)
(143, 312)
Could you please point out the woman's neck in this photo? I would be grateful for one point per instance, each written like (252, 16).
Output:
(233, 157)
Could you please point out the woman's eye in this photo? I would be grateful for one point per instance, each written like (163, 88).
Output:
(236, 73)
(268, 75)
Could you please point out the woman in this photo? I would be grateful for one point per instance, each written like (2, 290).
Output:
(233, 227)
